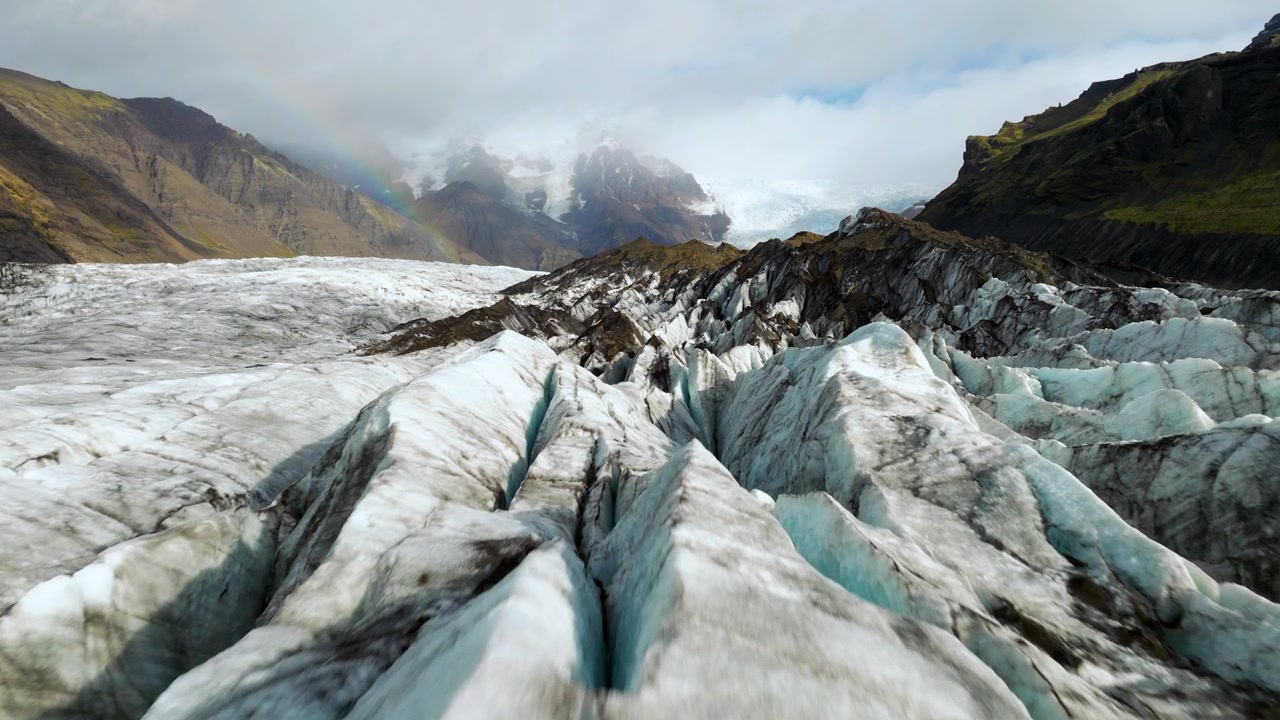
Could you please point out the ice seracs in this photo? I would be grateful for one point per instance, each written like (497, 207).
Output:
(893, 472)
(148, 404)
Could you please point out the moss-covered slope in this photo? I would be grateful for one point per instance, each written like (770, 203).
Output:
(1175, 168)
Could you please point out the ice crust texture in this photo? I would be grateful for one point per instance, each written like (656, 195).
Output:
(1000, 498)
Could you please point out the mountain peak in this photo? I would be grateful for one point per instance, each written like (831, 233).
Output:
(1269, 37)
(476, 166)
(175, 120)
(542, 211)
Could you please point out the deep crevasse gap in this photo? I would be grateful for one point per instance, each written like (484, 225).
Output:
(421, 563)
(107, 640)
(365, 536)
(530, 647)
(532, 447)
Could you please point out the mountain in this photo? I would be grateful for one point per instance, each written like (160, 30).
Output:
(55, 207)
(618, 197)
(493, 230)
(535, 213)
(1174, 168)
(366, 167)
(891, 472)
(88, 177)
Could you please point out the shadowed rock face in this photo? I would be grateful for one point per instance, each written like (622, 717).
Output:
(88, 177)
(894, 470)
(1268, 37)
(1173, 168)
(54, 206)
(495, 231)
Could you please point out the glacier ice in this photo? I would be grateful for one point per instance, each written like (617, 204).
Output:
(892, 474)
(696, 563)
(151, 404)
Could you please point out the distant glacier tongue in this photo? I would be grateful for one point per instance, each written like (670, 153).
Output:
(889, 473)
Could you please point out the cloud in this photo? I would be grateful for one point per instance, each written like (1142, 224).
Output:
(852, 90)
(900, 131)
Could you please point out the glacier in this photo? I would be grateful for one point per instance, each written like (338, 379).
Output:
(890, 473)
(779, 209)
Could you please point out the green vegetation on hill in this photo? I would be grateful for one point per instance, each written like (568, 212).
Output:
(1087, 109)
(1175, 167)
(55, 101)
(1247, 201)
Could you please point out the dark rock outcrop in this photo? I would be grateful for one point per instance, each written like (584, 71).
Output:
(878, 264)
(55, 207)
(1269, 37)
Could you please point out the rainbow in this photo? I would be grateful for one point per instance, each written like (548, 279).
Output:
(321, 122)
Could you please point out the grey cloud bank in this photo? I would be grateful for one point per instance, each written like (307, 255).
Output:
(849, 92)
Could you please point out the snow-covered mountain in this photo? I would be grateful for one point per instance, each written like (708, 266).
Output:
(543, 213)
(756, 210)
(893, 472)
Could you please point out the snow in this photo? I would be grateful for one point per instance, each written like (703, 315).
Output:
(557, 183)
(1223, 393)
(137, 617)
(408, 516)
(946, 512)
(1210, 495)
(894, 573)
(1202, 337)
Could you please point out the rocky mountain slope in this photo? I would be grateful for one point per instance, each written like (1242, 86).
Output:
(534, 214)
(494, 230)
(1175, 168)
(368, 167)
(538, 213)
(57, 207)
(892, 469)
(618, 197)
(88, 177)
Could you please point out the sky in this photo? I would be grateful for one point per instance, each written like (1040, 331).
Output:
(859, 93)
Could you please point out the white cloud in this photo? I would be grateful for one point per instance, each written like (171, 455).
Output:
(903, 130)
(717, 85)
